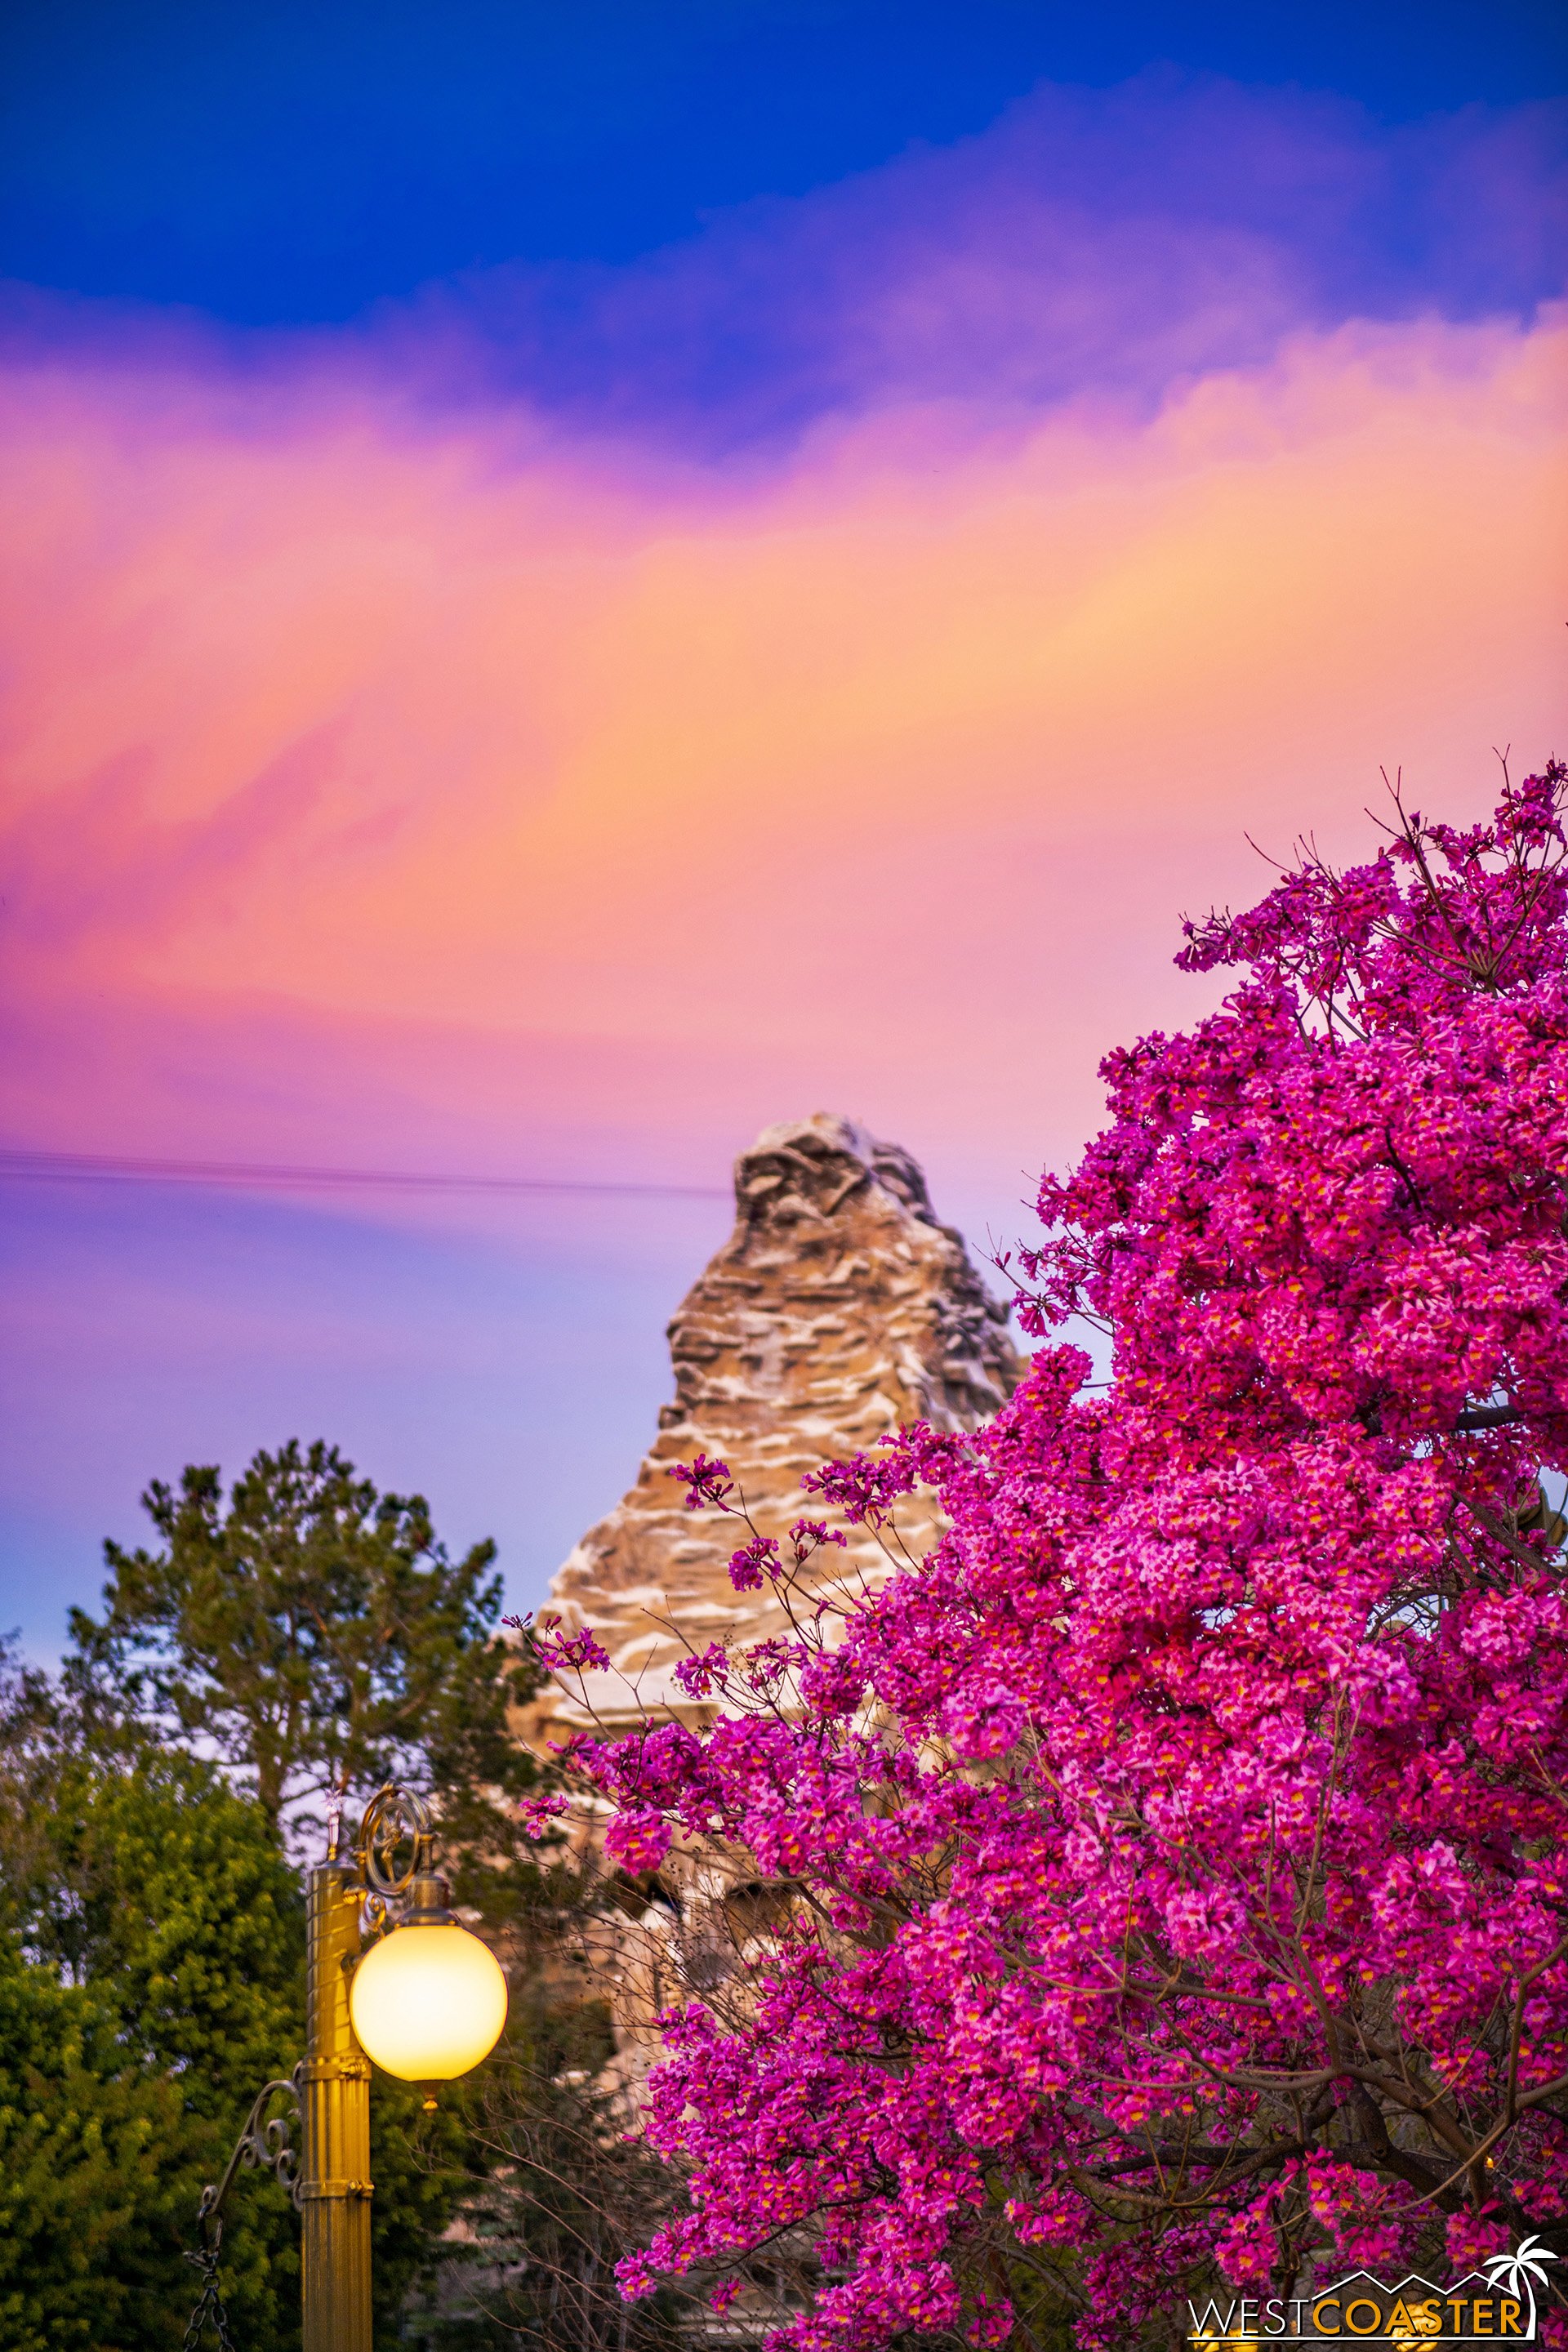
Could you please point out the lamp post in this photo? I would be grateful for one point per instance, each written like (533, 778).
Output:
(427, 2001)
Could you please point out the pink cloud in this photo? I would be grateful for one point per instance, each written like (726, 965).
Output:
(357, 756)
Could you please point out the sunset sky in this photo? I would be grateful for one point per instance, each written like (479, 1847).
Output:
(579, 580)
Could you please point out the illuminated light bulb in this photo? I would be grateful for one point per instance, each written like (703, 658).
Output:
(427, 2003)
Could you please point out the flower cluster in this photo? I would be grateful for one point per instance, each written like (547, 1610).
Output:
(540, 1812)
(1177, 1881)
(754, 1561)
(704, 1672)
(571, 1653)
(706, 1483)
(865, 1488)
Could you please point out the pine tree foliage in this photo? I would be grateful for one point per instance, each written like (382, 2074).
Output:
(312, 1634)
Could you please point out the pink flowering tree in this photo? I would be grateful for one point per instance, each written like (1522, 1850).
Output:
(1177, 1884)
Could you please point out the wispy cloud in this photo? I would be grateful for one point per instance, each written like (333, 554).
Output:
(367, 716)
(1108, 242)
(847, 608)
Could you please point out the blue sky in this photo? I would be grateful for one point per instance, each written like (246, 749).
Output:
(286, 164)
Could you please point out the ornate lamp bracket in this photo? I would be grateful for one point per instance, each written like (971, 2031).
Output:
(398, 1887)
(266, 2144)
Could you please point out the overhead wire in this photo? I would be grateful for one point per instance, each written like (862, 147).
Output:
(113, 1167)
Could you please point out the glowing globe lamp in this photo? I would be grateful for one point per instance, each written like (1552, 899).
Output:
(429, 2002)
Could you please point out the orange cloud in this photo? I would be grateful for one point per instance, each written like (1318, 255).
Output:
(880, 781)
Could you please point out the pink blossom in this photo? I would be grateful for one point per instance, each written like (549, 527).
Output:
(706, 1483)
(697, 1676)
(637, 1839)
(569, 1653)
(538, 1813)
(753, 1561)
(984, 1722)
(1472, 2236)
(1177, 1898)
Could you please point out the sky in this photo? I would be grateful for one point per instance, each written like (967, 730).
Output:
(577, 582)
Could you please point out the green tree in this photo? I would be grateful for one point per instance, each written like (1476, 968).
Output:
(144, 1872)
(313, 1634)
(151, 1966)
(91, 2161)
(151, 1949)
(300, 1636)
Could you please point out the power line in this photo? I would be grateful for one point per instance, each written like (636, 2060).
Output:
(103, 1168)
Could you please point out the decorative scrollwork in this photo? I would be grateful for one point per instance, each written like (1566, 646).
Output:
(395, 1817)
(266, 2144)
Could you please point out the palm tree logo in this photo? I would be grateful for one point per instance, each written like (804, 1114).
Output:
(1520, 2273)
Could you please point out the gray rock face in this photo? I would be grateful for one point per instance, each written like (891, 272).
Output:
(837, 1309)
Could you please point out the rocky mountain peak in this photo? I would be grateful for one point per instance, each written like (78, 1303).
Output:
(838, 1308)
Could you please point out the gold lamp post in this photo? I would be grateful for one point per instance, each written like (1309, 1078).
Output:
(427, 2001)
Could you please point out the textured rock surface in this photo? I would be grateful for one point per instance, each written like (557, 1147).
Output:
(837, 1309)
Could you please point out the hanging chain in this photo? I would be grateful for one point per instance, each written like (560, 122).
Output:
(211, 2305)
(264, 2144)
